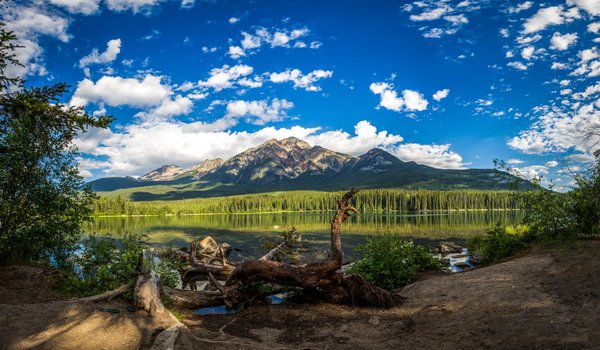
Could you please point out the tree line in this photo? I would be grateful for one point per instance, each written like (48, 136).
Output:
(372, 201)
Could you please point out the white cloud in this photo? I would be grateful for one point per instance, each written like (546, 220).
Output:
(206, 49)
(85, 7)
(438, 156)
(259, 112)
(594, 27)
(514, 161)
(168, 108)
(551, 164)
(389, 99)
(441, 94)
(225, 77)
(590, 6)
(138, 148)
(544, 17)
(527, 52)
(136, 6)
(29, 24)
(530, 172)
(517, 65)
(233, 20)
(520, 7)
(414, 100)
(562, 41)
(113, 47)
(187, 4)
(457, 19)
(430, 15)
(235, 52)
(118, 91)
(559, 131)
(276, 38)
(558, 65)
(303, 81)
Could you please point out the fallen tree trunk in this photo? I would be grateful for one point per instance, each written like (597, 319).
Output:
(193, 299)
(111, 294)
(147, 292)
(319, 278)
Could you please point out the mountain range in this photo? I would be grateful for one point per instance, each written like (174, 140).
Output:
(292, 164)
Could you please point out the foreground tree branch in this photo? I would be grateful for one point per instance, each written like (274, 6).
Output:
(321, 279)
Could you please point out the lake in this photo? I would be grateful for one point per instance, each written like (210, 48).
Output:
(246, 231)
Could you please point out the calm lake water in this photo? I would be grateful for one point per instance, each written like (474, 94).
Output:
(246, 231)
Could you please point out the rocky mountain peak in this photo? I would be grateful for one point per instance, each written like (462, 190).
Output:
(205, 167)
(164, 173)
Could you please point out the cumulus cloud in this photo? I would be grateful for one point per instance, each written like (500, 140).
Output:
(118, 91)
(445, 18)
(441, 94)
(136, 6)
(517, 65)
(515, 161)
(138, 148)
(113, 47)
(531, 172)
(85, 7)
(438, 156)
(259, 112)
(389, 99)
(252, 42)
(226, 76)
(520, 7)
(590, 6)
(303, 81)
(562, 41)
(29, 24)
(559, 131)
(544, 18)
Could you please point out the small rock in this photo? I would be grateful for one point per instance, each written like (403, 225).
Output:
(450, 247)
(374, 320)
(462, 265)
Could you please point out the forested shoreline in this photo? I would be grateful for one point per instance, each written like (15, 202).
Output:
(371, 201)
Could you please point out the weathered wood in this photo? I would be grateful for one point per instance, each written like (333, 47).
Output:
(104, 296)
(193, 299)
(166, 339)
(272, 252)
(318, 277)
(147, 296)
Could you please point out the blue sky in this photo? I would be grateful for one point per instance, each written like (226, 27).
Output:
(451, 84)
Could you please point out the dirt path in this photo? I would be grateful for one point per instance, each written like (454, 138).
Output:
(33, 316)
(547, 299)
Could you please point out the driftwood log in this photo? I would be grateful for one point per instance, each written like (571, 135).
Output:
(321, 279)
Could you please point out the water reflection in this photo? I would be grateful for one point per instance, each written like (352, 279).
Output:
(245, 231)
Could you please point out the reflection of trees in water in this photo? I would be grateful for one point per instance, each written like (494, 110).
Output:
(160, 229)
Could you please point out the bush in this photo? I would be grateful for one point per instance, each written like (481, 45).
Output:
(500, 242)
(168, 274)
(390, 262)
(105, 263)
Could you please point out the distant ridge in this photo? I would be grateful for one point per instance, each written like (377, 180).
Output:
(292, 164)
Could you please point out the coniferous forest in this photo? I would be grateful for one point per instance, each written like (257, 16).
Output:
(370, 201)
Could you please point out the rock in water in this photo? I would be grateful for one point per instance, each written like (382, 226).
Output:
(449, 248)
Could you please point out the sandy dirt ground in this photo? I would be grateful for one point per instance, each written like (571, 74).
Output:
(33, 316)
(546, 299)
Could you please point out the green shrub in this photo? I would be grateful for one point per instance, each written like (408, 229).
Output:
(390, 262)
(168, 274)
(105, 263)
(500, 242)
